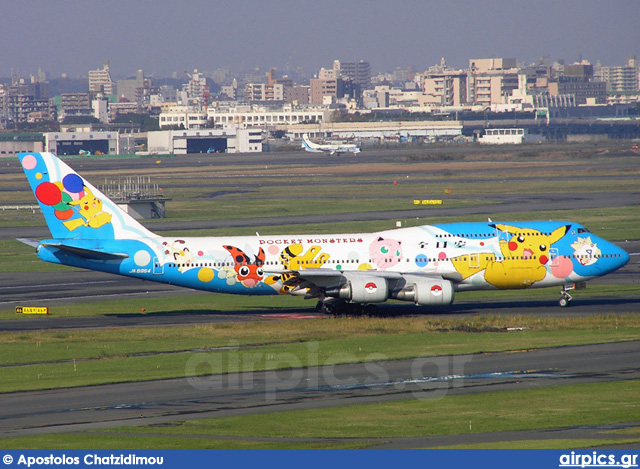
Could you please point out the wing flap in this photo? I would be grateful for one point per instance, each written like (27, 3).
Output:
(328, 278)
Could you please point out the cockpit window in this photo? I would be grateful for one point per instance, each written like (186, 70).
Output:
(583, 230)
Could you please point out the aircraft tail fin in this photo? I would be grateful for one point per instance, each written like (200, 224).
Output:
(309, 145)
(72, 206)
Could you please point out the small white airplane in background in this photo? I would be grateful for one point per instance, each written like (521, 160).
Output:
(332, 148)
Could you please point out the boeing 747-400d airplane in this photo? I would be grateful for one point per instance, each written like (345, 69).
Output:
(331, 148)
(424, 265)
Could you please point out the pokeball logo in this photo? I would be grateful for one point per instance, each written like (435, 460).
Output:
(436, 290)
(371, 287)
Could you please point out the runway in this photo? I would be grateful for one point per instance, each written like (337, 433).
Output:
(157, 402)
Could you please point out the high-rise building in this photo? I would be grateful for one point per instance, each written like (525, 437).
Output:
(622, 79)
(358, 72)
(335, 88)
(444, 86)
(490, 81)
(74, 105)
(23, 100)
(100, 80)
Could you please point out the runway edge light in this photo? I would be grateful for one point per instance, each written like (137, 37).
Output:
(32, 310)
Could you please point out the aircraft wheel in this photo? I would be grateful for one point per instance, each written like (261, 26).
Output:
(564, 302)
(328, 308)
(334, 308)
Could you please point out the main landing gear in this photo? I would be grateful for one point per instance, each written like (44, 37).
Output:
(338, 307)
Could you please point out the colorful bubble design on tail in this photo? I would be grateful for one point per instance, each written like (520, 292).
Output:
(60, 194)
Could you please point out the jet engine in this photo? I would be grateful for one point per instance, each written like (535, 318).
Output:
(363, 289)
(426, 291)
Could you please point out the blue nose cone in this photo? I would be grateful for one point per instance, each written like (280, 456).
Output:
(624, 257)
(611, 258)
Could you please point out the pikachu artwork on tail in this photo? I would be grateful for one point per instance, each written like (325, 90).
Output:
(90, 208)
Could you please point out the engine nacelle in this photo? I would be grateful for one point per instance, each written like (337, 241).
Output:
(366, 290)
(427, 291)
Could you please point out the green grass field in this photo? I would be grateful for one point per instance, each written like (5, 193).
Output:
(359, 426)
(58, 359)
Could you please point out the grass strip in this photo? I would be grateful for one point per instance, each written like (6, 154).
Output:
(550, 444)
(132, 441)
(59, 359)
(545, 408)
(527, 409)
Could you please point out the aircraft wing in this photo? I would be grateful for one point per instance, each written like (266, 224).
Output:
(310, 274)
(318, 281)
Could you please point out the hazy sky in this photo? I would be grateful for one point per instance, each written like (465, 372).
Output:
(162, 36)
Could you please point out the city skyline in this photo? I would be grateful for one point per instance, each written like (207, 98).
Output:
(74, 36)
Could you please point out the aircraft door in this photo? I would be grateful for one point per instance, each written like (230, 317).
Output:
(553, 257)
(158, 267)
(474, 261)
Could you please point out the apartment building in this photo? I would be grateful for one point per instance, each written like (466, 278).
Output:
(298, 95)
(264, 92)
(100, 80)
(622, 79)
(446, 88)
(75, 104)
(490, 81)
(326, 91)
(26, 101)
(358, 72)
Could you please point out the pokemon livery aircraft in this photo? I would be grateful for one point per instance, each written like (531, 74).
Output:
(424, 265)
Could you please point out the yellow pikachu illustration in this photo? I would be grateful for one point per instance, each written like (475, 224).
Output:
(90, 208)
(523, 261)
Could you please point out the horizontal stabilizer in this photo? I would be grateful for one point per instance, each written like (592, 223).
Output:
(87, 253)
(29, 242)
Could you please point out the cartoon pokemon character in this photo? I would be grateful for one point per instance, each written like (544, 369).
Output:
(586, 251)
(385, 253)
(524, 258)
(248, 273)
(292, 258)
(180, 253)
(90, 208)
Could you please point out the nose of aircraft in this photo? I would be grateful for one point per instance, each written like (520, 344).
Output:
(611, 257)
(624, 257)
(619, 256)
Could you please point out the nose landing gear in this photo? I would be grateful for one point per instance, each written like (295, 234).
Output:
(565, 298)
